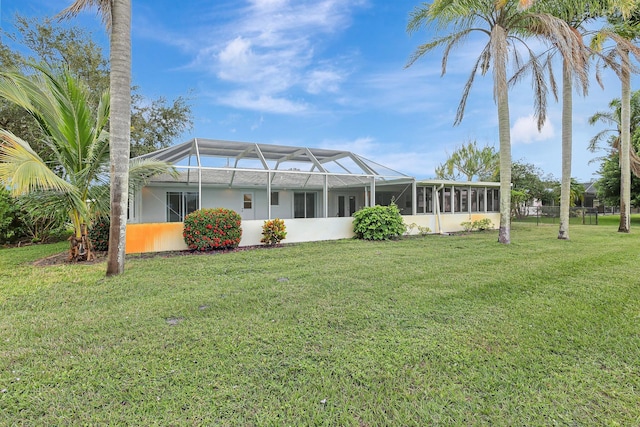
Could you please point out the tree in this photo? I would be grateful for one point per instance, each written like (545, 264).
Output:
(575, 14)
(116, 15)
(608, 185)
(530, 185)
(76, 135)
(505, 23)
(470, 162)
(623, 31)
(576, 193)
(610, 180)
(156, 123)
(73, 132)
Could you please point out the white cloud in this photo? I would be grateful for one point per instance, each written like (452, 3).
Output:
(361, 146)
(260, 102)
(319, 81)
(272, 47)
(525, 130)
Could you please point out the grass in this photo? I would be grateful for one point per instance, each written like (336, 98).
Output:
(441, 330)
(604, 220)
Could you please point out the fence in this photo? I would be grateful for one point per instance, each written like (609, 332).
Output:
(551, 215)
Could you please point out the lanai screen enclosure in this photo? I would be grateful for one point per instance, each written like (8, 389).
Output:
(262, 181)
(299, 184)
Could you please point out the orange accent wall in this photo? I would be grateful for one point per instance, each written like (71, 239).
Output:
(154, 237)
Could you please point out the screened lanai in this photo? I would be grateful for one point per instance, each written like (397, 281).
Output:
(262, 181)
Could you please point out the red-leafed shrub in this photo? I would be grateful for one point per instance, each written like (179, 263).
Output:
(208, 229)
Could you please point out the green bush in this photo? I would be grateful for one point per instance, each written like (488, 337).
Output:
(99, 233)
(479, 224)
(273, 232)
(378, 223)
(11, 218)
(45, 217)
(423, 230)
(208, 229)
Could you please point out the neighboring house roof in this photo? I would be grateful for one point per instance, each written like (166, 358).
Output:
(590, 187)
(235, 163)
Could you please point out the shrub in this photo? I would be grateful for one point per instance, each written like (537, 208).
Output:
(479, 224)
(423, 230)
(207, 229)
(99, 233)
(467, 226)
(483, 224)
(378, 223)
(11, 218)
(273, 232)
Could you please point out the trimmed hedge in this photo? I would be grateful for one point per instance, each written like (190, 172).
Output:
(209, 229)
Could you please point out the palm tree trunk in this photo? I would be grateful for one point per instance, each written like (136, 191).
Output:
(501, 94)
(625, 144)
(120, 130)
(567, 131)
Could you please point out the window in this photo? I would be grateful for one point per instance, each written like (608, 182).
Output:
(247, 199)
(474, 200)
(446, 200)
(464, 200)
(180, 204)
(493, 200)
(275, 198)
(304, 205)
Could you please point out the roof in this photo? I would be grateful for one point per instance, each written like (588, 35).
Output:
(448, 183)
(236, 163)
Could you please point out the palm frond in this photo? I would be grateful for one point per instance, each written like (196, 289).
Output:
(141, 170)
(103, 6)
(23, 171)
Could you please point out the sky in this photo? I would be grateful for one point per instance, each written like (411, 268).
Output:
(331, 74)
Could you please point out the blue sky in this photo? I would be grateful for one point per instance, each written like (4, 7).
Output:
(330, 74)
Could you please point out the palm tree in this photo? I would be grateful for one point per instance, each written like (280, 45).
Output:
(75, 134)
(623, 32)
(470, 161)
(575, 14)
(116, 15)
(505, 23)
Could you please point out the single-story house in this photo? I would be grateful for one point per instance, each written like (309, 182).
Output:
(316, 191)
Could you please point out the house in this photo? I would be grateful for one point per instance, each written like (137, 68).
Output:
(316, 191)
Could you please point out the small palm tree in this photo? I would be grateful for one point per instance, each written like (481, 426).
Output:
(77, 178)
(506, 23)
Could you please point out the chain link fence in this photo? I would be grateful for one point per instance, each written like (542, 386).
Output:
(551, 215)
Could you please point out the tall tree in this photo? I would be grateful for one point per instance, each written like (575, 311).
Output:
(623, 32)
(505, 23)
(117, 16)
(75, 132)
(155, 123)
(610, 182)
(574, 67)
(470, 162)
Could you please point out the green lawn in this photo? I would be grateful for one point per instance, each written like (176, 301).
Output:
(441, 330)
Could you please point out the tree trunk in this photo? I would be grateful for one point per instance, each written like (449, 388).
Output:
(120, 130)
(625, 144)
(567, 131)
(501, 95)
